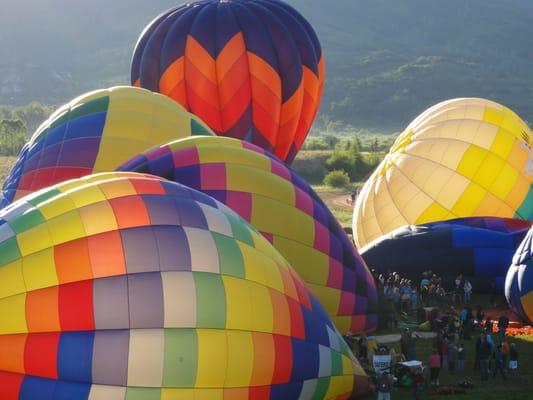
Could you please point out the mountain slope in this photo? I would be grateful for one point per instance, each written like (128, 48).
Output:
(386, 60)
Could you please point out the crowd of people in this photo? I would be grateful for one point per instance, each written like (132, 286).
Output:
(455, 322)
(493, 355)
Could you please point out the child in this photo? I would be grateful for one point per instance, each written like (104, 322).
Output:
(434, 365)
(513, 359)
(461, 358)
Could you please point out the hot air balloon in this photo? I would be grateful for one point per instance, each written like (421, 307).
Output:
(461, 158)
(96, 132)
(519, 281)
(124, 286)
(479, 248)
(252, 70)
(284, 208)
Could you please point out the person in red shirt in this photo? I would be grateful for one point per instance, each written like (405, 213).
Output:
(434, 367)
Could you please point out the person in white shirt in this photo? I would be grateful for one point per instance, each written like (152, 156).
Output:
(468, 291)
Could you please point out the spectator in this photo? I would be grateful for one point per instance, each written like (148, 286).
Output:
(362, 347)
(480, 315)
(503, 323)
(434, 367)
(414, 299)
(457, 293)
(461, 358)
(441, 294)
(405, 295)
(444, 352)
(452, 357)
(513, 359)
(485, 351)
(468, 291)
(499, 364)
(384, 385)
(488, 324)
(418, 382)
(478, 346)
(467, 324)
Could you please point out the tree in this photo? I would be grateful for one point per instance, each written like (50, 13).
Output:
(32, 114)
(12, 136)
(331, 141)
(359, 144)
(374, 147)
(355, 147)
(337, 179)
(340, 160)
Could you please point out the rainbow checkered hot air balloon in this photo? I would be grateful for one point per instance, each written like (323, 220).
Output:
(284, 208)
(96, 132)
(124, 286)
(464, 157)
(250, 69)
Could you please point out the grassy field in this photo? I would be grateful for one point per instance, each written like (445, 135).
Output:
(5, 165)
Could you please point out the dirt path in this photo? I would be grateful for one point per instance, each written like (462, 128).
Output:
(337, 199)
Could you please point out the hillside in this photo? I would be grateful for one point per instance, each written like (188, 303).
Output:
(386, 60)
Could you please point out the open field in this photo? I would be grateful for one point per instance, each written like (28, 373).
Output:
(5, 165)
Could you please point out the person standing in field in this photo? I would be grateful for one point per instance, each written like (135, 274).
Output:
(499, 364)
(485, 352)
(461, 358)
(434, 367)
(452, 357)
(513, 359)
(384, 385)
(467, 287)
(503, 324)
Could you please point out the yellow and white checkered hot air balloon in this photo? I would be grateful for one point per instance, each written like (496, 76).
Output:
(460, 158)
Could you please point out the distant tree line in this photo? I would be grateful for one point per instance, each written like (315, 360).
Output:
(338, 160)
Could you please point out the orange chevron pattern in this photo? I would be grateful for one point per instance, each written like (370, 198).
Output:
(244, 88)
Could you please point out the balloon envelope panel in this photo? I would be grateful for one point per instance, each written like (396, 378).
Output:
(96, 132)
(252, 70)
(461, 158)
(284, 208)
(124, 286)
(519, 281)
(479, 248)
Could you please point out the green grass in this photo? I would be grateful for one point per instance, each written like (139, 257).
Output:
(5, 165)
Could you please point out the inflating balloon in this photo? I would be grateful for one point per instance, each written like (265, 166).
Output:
(124, 286)
(284, 208)
(252, 70)
(460, 158)
(96, 132)
(479, 248)
(519, 281)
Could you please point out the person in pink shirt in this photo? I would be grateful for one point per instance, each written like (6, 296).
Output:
(434, 367)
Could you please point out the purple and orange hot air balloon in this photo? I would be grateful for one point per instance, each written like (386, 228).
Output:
(251, 69)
